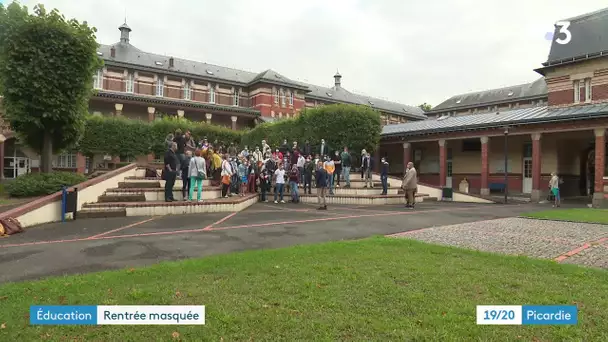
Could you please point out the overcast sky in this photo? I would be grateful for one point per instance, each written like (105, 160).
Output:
(404, 51)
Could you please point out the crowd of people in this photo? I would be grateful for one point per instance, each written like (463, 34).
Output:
(270, 172)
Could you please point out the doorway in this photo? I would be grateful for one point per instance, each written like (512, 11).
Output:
(527, 169)
(448, 166)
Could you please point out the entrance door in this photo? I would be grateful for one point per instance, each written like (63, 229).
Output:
(22, 166)
(448, 166)
(527, 170)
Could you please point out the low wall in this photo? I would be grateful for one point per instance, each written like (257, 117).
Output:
(48, 208)
(436, 192)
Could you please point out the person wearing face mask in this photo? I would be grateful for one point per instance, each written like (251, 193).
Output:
(309, 168)
(257, 155)
(300, 164)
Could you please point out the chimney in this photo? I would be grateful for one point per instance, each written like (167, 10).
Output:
(171, 62)
(337, 79)
(112, 52)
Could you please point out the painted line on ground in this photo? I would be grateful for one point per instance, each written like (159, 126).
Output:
(220, 221)
(123, 228)
(175, 232)
(580, 249)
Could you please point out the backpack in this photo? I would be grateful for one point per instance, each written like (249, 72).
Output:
(151, 172)
(10, 226)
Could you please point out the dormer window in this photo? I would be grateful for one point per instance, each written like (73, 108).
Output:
(158, 63)
(459, 100)
(329, 94)
(510, 93)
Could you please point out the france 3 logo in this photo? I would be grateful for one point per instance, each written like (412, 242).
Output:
(564, 35)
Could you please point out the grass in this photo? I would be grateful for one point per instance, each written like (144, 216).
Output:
(577, 215)
(378, 289)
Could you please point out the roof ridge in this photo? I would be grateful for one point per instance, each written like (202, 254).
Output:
(587, 15)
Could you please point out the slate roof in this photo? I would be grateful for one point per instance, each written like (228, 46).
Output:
(339, 94)
(491, 120)
(589, 39)
(535, 89)
(128, 55)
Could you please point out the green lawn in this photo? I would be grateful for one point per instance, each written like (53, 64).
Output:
(378, 289)
(577, 215)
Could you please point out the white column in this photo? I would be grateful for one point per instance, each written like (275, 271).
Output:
(118, 107)
(208, 117)
(233, 118)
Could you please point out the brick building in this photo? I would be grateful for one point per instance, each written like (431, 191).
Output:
(555, 124)
(146, 86)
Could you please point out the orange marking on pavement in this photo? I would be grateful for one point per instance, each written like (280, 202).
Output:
(122, 228)
(580, 249)
(219, 221)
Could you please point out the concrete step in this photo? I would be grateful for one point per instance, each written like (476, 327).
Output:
(359, 183)
(139, 185)
(101, 213)
(178, 181)
(158, 194)
(358, 191)
(364, 200)
(121, 197)
(158, 208)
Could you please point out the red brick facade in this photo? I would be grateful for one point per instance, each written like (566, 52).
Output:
(562, 97)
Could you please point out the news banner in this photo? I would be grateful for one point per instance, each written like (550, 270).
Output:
(195, 315)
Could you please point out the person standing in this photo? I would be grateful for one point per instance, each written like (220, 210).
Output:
(322, 178)
(307, 149)
(294, 180)
(367, 165)
(226, 175)
(171, 162)
(346, 162)
(330, 167)
(309, 167)
(185, 166)
(384, 176)
(554, 186)
(300, 164)
(243, 177)
(279, 175)
(197, 173)
(338, 164)
(265, 180)
(410, 185)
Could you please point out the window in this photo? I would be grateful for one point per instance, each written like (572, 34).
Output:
(65, 161)
(160, 87)
(237, 94)
(582, 87)
(130, 83)
(187, 91)
(577, 91)
(276, 96)
(291, 98)
(211, 94)
(282, 97)
(587, 90)
(98, 80)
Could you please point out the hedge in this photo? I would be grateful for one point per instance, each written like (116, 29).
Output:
(39, 184)
(119, 136)
(355, 126)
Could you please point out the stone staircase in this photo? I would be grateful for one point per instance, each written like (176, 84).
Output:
(141, 196)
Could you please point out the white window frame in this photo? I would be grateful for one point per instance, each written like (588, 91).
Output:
(98, 79)
(187, 94)
(130, 85)
(212, 94)
(282, 97)
(291, 98)
(588, 90)
(160, 87)
(236, 97)
(577, 91)
(276, 96)
(65, 161)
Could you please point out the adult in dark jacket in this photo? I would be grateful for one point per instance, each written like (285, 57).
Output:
(322, 181)
(307, 150)
(338, 165)
(185, 166)
(171, 166)
(309, 167)
(384, 175)
(284, 147)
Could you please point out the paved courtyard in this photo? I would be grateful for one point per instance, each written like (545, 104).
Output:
(566, 242)
(100, 244)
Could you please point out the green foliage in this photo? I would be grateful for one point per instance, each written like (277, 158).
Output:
(425, 107)
(39, 184)
(47, 65)
(119, 136)
(357, 127)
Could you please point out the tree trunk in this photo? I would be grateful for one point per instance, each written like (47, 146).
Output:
(46, 157)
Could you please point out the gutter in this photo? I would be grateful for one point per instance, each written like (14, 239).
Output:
(490, 126)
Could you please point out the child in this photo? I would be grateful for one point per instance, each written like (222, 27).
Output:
(242, 170)
(279, 176)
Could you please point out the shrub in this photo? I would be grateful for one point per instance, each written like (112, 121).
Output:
(38, 184)
(355, 126)
(119, 136)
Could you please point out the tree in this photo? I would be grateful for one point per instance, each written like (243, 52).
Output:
(47, 65)
(425, 107)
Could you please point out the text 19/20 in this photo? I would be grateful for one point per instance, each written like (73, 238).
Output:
(499, 315)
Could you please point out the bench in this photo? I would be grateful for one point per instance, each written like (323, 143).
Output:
(497, 187)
